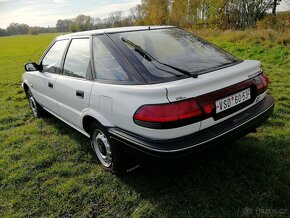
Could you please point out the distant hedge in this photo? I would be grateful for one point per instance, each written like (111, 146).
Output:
(280, 21)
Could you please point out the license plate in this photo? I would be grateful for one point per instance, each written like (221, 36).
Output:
(232, 100)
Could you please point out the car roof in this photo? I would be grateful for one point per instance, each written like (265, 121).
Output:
(111, 30)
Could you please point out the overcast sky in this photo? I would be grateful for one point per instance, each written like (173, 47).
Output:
(47, 12)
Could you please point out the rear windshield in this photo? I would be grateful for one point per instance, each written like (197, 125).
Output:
(176, 48)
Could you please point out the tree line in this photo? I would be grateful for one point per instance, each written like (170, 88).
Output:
(83, 22)
(223, 14)
(22, 29)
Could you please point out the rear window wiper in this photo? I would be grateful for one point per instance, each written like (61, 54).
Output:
(149, 57)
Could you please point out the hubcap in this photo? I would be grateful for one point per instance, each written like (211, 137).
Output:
(33, 105)
(102, 148)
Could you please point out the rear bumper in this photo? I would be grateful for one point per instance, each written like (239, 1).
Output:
(228, 130)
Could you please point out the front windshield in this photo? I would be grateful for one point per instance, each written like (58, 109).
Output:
(175, 47)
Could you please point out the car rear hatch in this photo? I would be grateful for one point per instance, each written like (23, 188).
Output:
(222, 93)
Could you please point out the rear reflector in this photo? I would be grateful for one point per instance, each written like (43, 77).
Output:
(168, 113)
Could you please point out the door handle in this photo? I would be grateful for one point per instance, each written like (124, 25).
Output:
(50, 85)
(80, 94)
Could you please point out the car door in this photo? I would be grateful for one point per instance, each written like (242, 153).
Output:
(44, 81)
(74, 86)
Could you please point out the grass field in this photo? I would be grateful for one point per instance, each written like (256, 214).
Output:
(47, 168)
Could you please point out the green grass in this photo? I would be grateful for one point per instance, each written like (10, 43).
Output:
(47, 168)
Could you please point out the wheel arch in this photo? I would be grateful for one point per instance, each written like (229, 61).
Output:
(92, 116)
(87, 122)
(25, 87)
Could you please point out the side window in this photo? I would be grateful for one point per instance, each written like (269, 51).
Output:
(52, 60)
(106, 66)
(77, 59)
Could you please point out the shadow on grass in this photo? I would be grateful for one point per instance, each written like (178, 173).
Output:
(229, 180)
(64, 129)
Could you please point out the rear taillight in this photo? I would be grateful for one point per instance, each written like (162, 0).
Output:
(208, 105)
(181, 113)
(262, 82)
(265, 80)
(168, 115)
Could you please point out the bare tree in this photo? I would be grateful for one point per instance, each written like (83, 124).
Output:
(275, 4)
(245, 13)
(137, 13)
(116, 18)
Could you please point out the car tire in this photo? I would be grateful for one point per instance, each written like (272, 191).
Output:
(37, 109)
(109, 155)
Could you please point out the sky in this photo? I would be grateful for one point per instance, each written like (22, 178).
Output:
(47, 12)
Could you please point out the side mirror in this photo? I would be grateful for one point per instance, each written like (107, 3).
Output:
(32, 66)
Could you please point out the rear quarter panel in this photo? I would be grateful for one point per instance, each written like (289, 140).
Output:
(125, 100)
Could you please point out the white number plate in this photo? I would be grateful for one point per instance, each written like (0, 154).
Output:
(232, 100)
